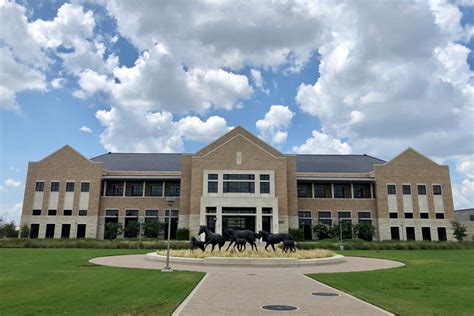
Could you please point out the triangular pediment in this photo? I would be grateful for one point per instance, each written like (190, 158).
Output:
(410, 155)
(65, 152)
(239, 132)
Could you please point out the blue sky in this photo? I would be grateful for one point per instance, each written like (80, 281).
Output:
(312, 77)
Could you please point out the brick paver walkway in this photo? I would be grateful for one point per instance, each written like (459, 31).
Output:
(242, 291)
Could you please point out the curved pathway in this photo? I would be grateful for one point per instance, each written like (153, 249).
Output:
(242, 291)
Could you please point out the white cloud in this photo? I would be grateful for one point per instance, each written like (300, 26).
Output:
(258, 80)
(157, 133)
(12, 183)
(85, 129)
(464, 190)
(321, 143)
(57, 83)
(12, 212)
(275, 123)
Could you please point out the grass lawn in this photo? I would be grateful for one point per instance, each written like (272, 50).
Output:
(62, 281)
(433, 282)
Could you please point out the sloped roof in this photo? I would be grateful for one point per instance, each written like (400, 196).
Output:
(140, 161)
(336, 163)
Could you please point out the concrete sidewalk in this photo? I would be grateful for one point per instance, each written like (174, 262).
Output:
(243, 291)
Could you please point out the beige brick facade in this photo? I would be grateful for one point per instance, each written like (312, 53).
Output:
(237, 152)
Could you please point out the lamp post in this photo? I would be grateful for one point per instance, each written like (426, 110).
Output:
(140, 223)
(170, 201)
(341, 247)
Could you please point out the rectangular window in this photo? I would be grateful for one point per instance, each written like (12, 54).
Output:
(111, 213)
(471, 218)
(239, 210)
(406, 189)
(344, 217)
(322, 190)
(365, 217)
(134, 188)
(131, 213)
(65, 230)
(394, 233)
(408, 215)
(50, 230)
(154, 189)
(151, 213)
(238, 176)
(39, 187)
(85, 186)
(82, 212)
(212, 187)
(264, 187)
(114, 188)
(305, 189)
(69, 186)
(410, 233)
(393, 215)
(54, 186)
(36, 212)
(67, 213)
(239, 187)
(51, 212)
(421, 189)
(424, 216)
(436, 189)
(267, 210)
(361, 190)
(391, 189)
(442, 236)
(342, 191)
(211, 209)
(172, 188)
(34, 231)
(264, 177)
(439, 215)
(212, 176)
(81, 231)
(325, 218)
(426, 233)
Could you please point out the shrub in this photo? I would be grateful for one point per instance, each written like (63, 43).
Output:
(364, 231)
(24, 231)
(153, 228)
(132, 229)
(297, 234)
(112, 230)
(182, 234)
(323, 231)
(346, 230)
(9, 230)
(459, 230)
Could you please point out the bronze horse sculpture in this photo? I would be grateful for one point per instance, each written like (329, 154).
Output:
(211, 238)
(234, 234)
(273, 239)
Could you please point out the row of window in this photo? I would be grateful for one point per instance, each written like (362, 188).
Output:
(54, 212)
(141, 188)
(325, 217)
(425, 233)
(410, 215)
(335, 190)
(39, 187)
(65, 230)
(406, 189)
(240, 183)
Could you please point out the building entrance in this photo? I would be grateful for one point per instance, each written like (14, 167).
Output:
(238, 222)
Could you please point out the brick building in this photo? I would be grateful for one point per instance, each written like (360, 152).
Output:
(237, 181)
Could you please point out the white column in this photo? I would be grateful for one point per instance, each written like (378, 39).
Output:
(124, 187)
(219, 220)
(275, 221)
(105, 187)
(143, 192)
(259, 219)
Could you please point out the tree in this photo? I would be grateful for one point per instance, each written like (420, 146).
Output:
(24, 231)
(112, 230)
(153, 228)
(364, 231)
(132, 229)
(346, 230)
(323, 231)
(459, 230)
(10, 231)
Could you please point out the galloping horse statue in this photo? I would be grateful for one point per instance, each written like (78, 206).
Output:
(273, 239)
(211, 238)
(248, 235)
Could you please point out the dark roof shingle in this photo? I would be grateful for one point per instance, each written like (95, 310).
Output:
(336, 163)
(140, 161)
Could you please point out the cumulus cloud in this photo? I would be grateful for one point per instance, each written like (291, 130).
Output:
(57, 83)
(258, 80)
(12, 183)
(85, 129)
(320, 143)
(157, 133)
(275, 123)
(12, 212)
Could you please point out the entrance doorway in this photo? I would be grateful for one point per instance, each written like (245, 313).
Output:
(267, 223)
(34, 231)
(442, 236)
(238, 222)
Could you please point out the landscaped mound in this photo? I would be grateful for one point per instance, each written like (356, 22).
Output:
(261, 253)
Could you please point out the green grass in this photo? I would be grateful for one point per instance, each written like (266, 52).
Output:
(62, 281)
(437, 282)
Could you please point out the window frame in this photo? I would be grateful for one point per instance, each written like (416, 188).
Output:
(418, 186)
(440, 189)
(390, 185)
(54, 183)
(406, 186)
(83, 183)
(39, 183)
(82, 213)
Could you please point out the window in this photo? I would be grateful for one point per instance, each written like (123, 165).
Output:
(114, 188)
(212, 176)
(305, 224)
(365, 217)
(344, 216)
(212, 186)
(426, 233)
(65, 230)
(238, 176)
(391, 189)
(69, 186)
(394, 233)
(81, 231)
(424, 215)
(408, 215)
(410, 233)
(342, 191)
(111, 213)
(361, 191)
(239, 187)
(85, 186)
(51, 212)
(34, 231)
(131, 213)
(393, 215)
(154, 189)
(134, 188)
(439, 215)
(82, 212)
(172, 188)
(54, 186)
(50, 230)
(211, 209)
(406, 189)
(442, 236)
(267, 210)
(67, 212)
(421, 189)
(471, 218)
(36, 212)
(305, 190)
(322, 190)
(39, 186)
(264, 183)
(325, 218)
(436, 189)
(239, 210)
(151, 213)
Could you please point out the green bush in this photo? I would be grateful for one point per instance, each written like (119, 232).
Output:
(132, 229)
(182, 234)
(364, 231)
(459, 230)
(153, 228)
(346, 230)
(297, 234)
(112, 230)
(24, 231)
(323, 231)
